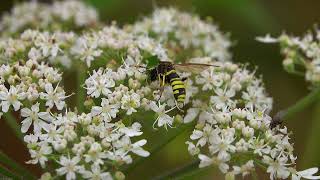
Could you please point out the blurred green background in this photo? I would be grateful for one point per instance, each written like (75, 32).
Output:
(244, 20)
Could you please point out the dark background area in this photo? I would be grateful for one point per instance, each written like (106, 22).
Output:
(244, 20)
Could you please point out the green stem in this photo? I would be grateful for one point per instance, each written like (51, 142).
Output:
(5, 172)
(4, 159)
(183, 172)
(288, 113)
(260, 164)
(312, 148)
(301, 74)
(12, 122)
(254, 175)
(81, 94)
(171, 135)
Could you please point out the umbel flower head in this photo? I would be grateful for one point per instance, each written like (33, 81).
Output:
(61, 15)
(227, 102)
(301, 54)
(185, 35)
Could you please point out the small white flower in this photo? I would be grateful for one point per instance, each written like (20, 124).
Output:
(40, 120)
(130, 102)
(107, 110)
(306, 174)
(47, 44)
(244, 169)
(222, 144)
(96, 173)
(125, 144)
(163, 119)
(223, 98)
(11, 97)
(206, 161)
(53, 96)
(132, 131)
(99, 83)
(267, 39)
(86, 48)
(40, 155)
(193, 150)
(69, 167)
(204, 135)
(276, 167)
(95, 154)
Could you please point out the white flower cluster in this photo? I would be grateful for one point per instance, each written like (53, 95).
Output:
(38, 46)
(67, 48)
(227, 102)
(61, 15)
(31, 83)
(232, 130)
(185, 35)
(302, 54)
(85, 146)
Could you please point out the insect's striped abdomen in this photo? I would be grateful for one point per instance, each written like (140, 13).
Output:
(178, 87)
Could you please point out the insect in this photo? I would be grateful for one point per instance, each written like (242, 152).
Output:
(166, 73)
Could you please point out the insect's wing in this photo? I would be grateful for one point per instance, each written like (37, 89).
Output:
(193, 67)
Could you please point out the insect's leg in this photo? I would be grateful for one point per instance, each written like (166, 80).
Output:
(162, 83)
(178, 106)
(163, 80)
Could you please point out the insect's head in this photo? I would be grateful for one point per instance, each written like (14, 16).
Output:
(152, 61)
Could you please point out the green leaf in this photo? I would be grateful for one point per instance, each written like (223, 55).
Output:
(5, 172)
(81, 93)
(14, 166)
(184, 172)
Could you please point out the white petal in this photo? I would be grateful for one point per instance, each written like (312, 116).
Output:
(16, 105)
(196, 134)
(191, 115)
(205, 161)
(5, 106)
(48, 87)
(25, 112)
(307, 172)
(45, 116)
(154, 106)
(96, 110)
(140, 143)
(267, 39)
(26, 123)
(141, 152)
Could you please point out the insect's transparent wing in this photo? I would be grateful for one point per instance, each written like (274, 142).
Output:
(193, 67)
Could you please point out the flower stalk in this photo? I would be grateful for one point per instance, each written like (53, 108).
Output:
(12, 123)
(300, 105)
(183, 172)
(81, 93)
